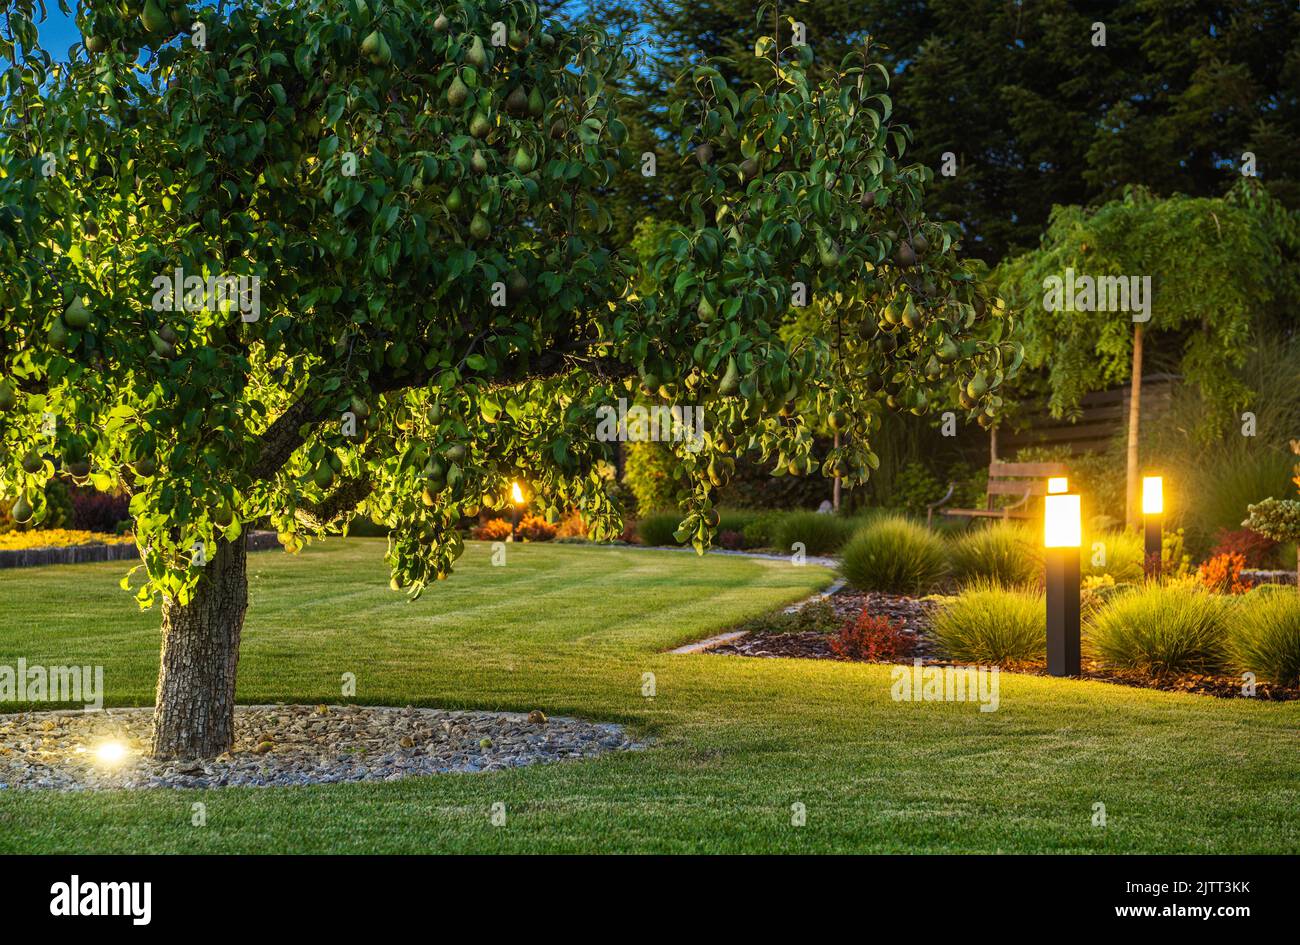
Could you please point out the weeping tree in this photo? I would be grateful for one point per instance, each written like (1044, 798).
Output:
(290, 262)
(1182, 282)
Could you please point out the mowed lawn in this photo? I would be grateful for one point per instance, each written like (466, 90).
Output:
(736, 742)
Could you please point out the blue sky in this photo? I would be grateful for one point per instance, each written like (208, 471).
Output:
(58, 31)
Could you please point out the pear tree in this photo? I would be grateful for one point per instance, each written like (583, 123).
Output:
(291, 261)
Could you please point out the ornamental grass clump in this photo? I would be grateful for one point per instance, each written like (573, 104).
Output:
(1005, 553)
(1163, 630)
(1264, 635)
(992, 624)
(894, 555)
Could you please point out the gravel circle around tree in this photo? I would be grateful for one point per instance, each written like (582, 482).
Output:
(284, 745)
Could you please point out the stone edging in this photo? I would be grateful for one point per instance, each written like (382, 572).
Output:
(732, 635)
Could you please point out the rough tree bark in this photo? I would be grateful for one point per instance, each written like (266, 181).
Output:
(1133, 505)
(194, 712)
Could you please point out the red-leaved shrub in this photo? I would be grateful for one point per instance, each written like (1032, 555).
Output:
(96, 511)
(1256, 549)
(732, 541)
(1222, 573)
(872, 639)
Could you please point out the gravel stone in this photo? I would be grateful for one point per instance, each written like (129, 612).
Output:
(281, 745)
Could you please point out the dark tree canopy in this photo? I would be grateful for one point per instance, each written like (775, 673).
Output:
(1035, 114)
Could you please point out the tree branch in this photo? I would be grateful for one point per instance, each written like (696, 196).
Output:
(345, 497)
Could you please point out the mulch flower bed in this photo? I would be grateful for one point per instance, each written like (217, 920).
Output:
(915, 613)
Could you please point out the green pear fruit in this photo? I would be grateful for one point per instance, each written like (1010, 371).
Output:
(517, 101)
(905, 255)
(180, 16)
(911, 317)
(518, 39)
(455, 201)
(58, 334)
(161, 346)
(79, 468)
(7, 396)
(457, 93)
(748, 169)
(441, 24)
(536, 104)
(704, 311)
(32, 462)
(96, 44)
(517, 283)
(152, 17)
(21, 510)
(478, 163)
(479, 126)
(523, 162)
(76, 315)
(145, 466)
(704, 154)
(375, 48)
(477, 55)
(868, 199)
(479, 228)
(730, 382)
(323, 476)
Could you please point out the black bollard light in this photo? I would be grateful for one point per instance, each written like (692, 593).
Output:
(1153, 520)
(1062, 538)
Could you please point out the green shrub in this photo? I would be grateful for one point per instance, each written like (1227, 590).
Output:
(647, 474)
(658, 529)
(758, 533)
(894, 555)
(736, 520)
(916, 487)
(1161, 629)
(1005, 553)
(1264, 635)
(821, 534)
(992, 624)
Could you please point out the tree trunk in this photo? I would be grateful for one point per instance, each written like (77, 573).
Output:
(837, 487)
(194, 715)
(1133, 506)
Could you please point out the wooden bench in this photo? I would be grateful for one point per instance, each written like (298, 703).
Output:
(1026, 480)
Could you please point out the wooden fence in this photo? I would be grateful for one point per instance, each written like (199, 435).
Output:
(1104, 417)
(82, 554)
